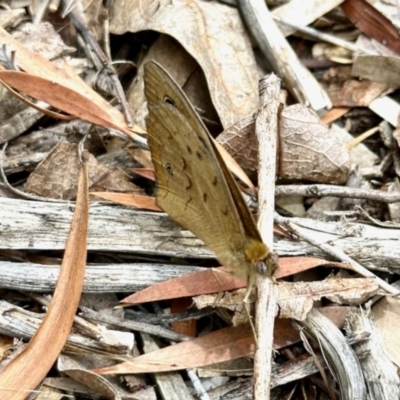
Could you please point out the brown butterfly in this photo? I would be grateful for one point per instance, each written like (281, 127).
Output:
(194, 185)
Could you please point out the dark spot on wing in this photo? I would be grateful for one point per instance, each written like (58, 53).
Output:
(184, 165)
(168, 100)
(205, 197)
(199, 155)
(215, 181)
(169, 169)
(189, 149)
(224, 210)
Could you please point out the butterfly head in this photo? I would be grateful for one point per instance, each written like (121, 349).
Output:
(263, 261)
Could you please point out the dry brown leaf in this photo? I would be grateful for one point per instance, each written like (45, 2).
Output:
(97, 383)
(309, 150)
(187, 327)
(145, 172)
(216, 280)
(354, 93)
(213, 34)
(347, 92)
(67, 83)
(207, 281)
(131, 200)
(334, 114)
(374, 24)
(25, 372)
(57, 175)
(241, 143)
(219, 346)
(83, 104)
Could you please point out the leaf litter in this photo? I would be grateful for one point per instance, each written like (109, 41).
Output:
(207, 49)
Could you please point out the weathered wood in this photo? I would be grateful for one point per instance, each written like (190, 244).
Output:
(30, 225)
(34, 225)
(104, 278)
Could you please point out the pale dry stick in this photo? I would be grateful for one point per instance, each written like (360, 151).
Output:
(90, 39)
(359, 139)
(324, 36)
(281, 57)
(337, 191)
(335, 252)
(267, 134)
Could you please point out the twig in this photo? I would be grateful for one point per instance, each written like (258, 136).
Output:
(337, 191)
(134, 325)
(280, 55)
(324, 36)
(335, 252)
(267, 131)
(88, 37)
(41, 9)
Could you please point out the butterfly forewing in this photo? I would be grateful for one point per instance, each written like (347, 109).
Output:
(161, 88)
(192, 188)
(155, 74)
(246, 218)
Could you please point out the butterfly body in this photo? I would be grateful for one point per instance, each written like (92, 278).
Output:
(193, 184)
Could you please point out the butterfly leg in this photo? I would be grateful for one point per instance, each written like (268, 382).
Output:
(246, 301)
(247, 304)
(215, 273)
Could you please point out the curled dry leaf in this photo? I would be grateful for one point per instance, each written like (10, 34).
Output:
(313, 142)
(345, 91)
(241, 143)
(214, 35)
(57, 175)
(309, 150)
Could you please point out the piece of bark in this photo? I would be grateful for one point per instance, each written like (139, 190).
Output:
(44, 226)
(380, 374)
(338, 353)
